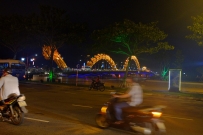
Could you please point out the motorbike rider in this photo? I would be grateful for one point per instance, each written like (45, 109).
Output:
(9, 86)
(97, 81)
(135, 95)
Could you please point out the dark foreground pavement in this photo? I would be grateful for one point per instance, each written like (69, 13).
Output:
(60, 109)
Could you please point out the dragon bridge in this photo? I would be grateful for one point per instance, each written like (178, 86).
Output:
(134, 58)
(46, 51)
(99, 57)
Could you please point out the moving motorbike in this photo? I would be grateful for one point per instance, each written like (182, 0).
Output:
(97, 85)
(141, 119)
(11, 109)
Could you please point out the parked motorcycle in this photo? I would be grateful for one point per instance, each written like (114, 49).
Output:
(11, 109)
(141, 119)
(97, 86)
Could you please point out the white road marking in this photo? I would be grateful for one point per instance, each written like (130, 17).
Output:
(82, 106)
(168, 116)
(36, 119)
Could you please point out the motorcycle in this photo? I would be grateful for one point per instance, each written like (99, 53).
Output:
(97, 86)
(11, 109)
(141, 119)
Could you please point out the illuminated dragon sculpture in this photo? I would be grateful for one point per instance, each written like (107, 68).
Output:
(46, 51)
(135, 60)
(99, 57)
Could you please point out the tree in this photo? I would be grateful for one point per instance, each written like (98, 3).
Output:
(197, 32)
(197, 29)
(129, 38)
(169, 59)
(54, 29)
(164, 59)
(179, 59)
(13, 33)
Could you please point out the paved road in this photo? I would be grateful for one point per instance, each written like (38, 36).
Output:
(62, 110)
(192, 87)
(148, 84)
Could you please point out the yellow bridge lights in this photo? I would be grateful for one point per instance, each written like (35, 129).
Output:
(99, 57)
(134, 58)
(46, 51)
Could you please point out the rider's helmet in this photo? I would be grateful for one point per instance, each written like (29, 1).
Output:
(7, 70)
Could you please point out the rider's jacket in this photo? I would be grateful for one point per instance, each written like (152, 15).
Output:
(9, 84)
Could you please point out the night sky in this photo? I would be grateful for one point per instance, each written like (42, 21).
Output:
(173, 16)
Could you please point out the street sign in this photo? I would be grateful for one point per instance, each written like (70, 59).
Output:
(174, 83)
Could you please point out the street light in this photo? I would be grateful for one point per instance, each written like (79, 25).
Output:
(33, 59)
(22, 59)
(29, 58)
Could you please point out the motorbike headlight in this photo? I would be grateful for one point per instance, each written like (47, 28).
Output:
(103, 109)
(156, 114)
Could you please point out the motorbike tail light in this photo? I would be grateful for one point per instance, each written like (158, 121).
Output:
(156, 114)
(103, 109)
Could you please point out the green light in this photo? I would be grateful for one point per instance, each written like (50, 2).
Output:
(50, 76)
(164, 73)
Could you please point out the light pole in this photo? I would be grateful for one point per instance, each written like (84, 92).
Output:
(77, 74)
(33, 59)
(26, 71)
(27, 62)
